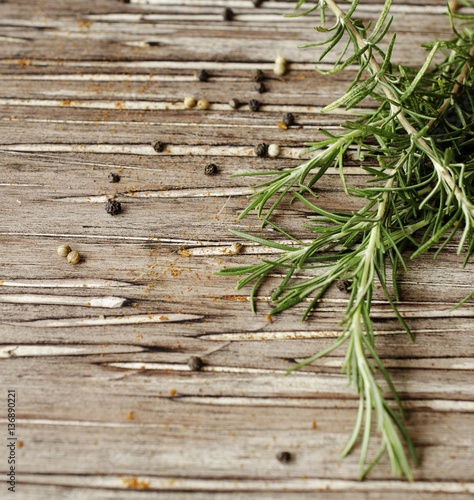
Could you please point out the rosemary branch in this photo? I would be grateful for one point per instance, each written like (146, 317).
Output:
(420, 193)
(397, 110)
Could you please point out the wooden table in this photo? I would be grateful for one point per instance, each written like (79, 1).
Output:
(106, 405)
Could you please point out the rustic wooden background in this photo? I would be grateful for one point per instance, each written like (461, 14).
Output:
(107, 406)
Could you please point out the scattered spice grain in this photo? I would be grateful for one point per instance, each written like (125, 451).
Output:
(73, 257)
(280, 66)
(211, 169)
(113, 178)
(289, 119)
(284, 457)
(203, 104)
(257, 75)
(158, 146)
(195, 363)
(237, 247)
(254, 105)
(234, 103)
(344, 286)
(202, 75)
(261, 150)
(261, 88)
(189, 102)
(273, 150)
(113, 207)
(257, 3)
(228, 14)
(63, 250)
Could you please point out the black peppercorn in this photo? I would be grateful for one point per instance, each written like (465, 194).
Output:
(203, 75)
(261, 150)
(284, 457)
(228, 14)
(289, 119)
(158, 146)
(257, 75)
(195, 363)
(344, 285)
(210, 169)
(254, 105)
(260, 88)
(234, 103)
(113, 207)
(257, 3)
(113, 177)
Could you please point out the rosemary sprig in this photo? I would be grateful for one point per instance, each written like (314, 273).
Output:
(416, 147)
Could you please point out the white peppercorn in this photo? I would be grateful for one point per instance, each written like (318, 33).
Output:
(203, 104)
(189, 102)
(73, 257)
(273, 150)
(63, 250)
(237, 247)
(279, 67)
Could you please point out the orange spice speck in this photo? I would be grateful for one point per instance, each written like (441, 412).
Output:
(132, 483)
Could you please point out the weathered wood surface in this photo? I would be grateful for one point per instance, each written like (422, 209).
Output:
(97, 352)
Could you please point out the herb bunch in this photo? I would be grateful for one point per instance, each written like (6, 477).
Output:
(416, 146)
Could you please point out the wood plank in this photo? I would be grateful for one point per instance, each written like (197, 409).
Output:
(107, 406)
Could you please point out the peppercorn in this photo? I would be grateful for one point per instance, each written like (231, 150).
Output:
(289, 119)
(203, 75)
(261, 88)
(211, 169)
(257, 75)
(203, 104)
(273, 150)
(261, 150)
(257, 3)
(254, 105)
(453, 5)
(189, 102)
(234, 103)
(284, 457)
(280, 66)
(228, 14)
(195, 363)
(113, 177)
(157, 146)
(73, 257)
(113, 207)
(237, 247)
(63, 250)
(344, 286)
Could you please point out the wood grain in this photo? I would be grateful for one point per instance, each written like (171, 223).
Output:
(107, 406)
